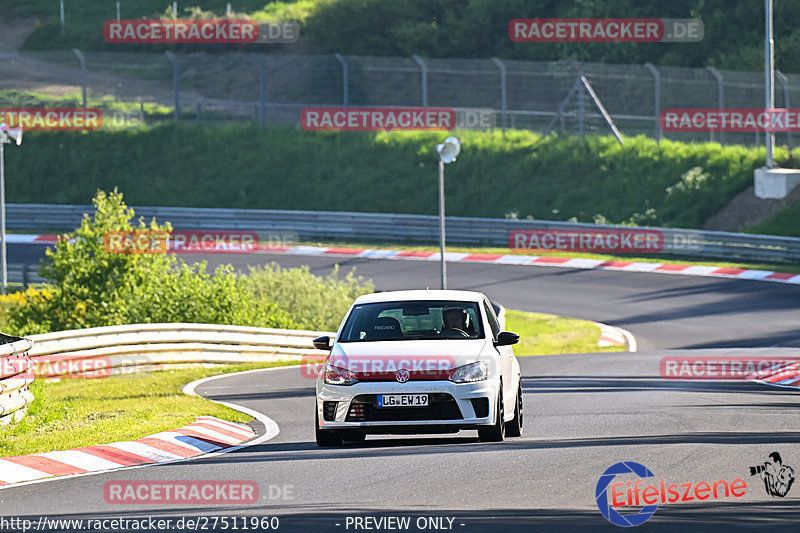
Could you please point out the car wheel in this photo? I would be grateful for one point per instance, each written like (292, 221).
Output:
(326, 437)
(514, 428)
(497, 431)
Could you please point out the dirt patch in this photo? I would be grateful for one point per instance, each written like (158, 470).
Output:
(14, 32)
(746, 211)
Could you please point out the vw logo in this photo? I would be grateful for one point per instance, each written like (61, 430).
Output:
(402, 375)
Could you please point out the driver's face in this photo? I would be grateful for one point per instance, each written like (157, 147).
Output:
(453, 319)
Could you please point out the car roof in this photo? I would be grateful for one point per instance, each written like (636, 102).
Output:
(394, 296)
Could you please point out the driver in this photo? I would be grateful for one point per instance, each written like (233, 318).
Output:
(455, 321)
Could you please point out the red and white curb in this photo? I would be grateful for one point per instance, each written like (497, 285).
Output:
(197, 439)
(500, 259)
(786, 376)
(614, 336)
(207, 434)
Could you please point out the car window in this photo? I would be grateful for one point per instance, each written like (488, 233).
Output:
(412, 320)
(492, 319)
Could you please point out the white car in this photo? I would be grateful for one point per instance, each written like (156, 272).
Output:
(423, 361)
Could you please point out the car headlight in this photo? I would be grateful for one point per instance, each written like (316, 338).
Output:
(335, 375)
(469, 373)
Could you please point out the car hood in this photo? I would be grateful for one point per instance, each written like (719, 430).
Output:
(424, 357)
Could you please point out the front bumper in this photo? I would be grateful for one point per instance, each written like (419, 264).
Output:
(452, 406)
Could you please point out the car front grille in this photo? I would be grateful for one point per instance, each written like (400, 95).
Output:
(441, 406)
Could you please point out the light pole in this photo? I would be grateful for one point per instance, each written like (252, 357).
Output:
(769, 78)
(448, 151)
(6, 136)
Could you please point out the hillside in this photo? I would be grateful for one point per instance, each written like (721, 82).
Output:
(451, 28)
(522, 174)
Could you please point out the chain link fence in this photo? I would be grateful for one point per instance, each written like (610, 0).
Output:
(271, 88)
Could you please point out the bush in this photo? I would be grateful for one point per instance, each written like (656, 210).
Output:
(90, 286)
(314, 302)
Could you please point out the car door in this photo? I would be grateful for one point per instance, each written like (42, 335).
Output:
(505, 354)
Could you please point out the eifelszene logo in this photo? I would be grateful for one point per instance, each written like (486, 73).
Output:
(612, 494)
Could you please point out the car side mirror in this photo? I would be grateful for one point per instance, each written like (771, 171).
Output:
(506, 338)
(322, 343)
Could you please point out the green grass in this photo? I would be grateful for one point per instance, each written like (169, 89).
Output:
(786, 222)
(521, 174)
(73, 413)
(542, 334)
(117, 116)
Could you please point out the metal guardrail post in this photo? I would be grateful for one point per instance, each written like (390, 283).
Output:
(656, 99)
(601, 108)
(343, 63)
(503, 90)
(423, 68)
(720, 101)
(82, 61)
(786, 103)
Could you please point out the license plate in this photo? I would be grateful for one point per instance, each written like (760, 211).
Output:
(402, 400)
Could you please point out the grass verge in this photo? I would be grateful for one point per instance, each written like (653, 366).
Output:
(72, 413)
(542, 334)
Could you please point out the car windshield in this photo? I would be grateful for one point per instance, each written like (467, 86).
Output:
(413, 320)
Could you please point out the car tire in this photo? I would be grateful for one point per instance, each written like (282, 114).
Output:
(496, 432)
(514, 428)
(326, 437)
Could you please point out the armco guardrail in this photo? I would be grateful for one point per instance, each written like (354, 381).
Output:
(15, 377)
(408, 228)
(24, 274)
(95, 352)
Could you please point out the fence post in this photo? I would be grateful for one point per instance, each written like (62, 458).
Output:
(174, 61)
(785, 84)
(262, 93)
(118, 13)
(581, 102)
(82, 61)
(61, 16)
(424, 71)
(345, 95)
(503, 94)
(656, 98)
(25, 276)
(720, 101)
